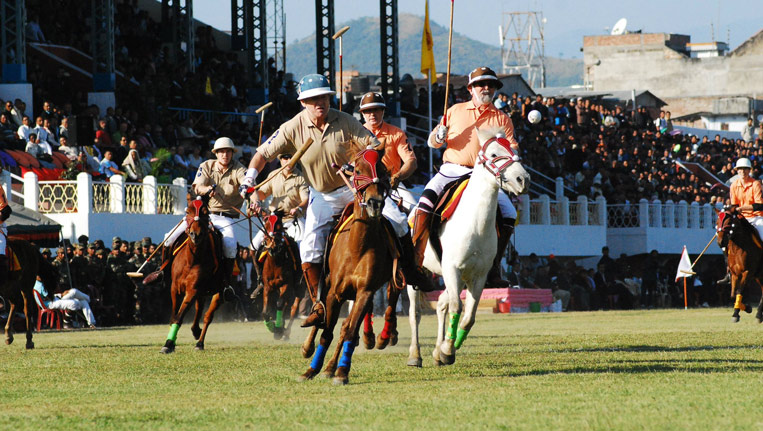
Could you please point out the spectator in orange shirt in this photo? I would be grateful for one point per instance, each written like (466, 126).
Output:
(460, 136)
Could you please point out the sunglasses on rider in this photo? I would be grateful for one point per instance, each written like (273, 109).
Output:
(285, 156)
(487, 84)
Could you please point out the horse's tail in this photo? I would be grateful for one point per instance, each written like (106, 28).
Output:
(48, 273)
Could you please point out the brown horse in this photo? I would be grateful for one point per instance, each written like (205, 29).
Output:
(360, 261)
(281, 277)
(196, 272)
(20, 284)
(740, 240)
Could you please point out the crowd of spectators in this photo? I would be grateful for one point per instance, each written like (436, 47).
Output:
(100, 272)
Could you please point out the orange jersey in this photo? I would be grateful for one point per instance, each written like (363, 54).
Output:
(463, 121)
(397, 150)
(747, 193)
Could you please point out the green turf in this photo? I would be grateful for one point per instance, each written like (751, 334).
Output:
(647, 370)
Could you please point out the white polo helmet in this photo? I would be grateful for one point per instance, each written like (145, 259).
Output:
(224, 143)
(744, 162)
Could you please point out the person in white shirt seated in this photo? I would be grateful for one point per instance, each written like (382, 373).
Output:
(25, 129)
(68, 300)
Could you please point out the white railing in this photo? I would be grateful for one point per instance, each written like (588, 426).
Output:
(114, 196)
(680, 215)
(544, 211)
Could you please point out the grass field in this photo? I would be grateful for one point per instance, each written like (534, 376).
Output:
(667, 369)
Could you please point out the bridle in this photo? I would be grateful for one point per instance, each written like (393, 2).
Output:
(195, 215)
(361, 182)
(498, 164)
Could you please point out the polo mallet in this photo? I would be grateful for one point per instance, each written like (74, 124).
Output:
(700, 255)
(138, 273)
(334, 37)
(294, 159)
(261, 110)
(447, 75)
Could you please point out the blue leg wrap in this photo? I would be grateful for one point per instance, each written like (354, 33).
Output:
(320, 354)
(348, 347)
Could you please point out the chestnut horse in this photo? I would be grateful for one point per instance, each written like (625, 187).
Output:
(197, 272)
(740, 240)
(281, 277)
(20, 284)
(360, 261)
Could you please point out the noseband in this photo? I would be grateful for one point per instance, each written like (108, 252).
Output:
(196, 206)
(361, 182)
(498, 164)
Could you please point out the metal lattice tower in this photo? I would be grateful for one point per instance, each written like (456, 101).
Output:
(238, 24)
(13, 40)
(181, 23)
(390, 75)
(257, 44)
(324, 44)
(277, 33)
(523, 46)
(102, 36)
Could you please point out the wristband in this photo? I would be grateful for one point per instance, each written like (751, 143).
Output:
(252, 173)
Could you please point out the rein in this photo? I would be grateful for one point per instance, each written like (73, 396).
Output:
(361, 182)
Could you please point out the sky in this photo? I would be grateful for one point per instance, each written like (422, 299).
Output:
(566, 21)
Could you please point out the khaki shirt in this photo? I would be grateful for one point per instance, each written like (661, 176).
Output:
(285, 192)
(397, 150)
(329, 147)
(226, 194)
(463, 121)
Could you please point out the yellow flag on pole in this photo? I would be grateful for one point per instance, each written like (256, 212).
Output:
(427, 54)
(208, 87)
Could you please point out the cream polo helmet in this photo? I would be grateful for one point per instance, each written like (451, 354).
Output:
(223, 144)
(744, 162)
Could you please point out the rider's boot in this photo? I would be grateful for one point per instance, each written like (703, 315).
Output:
(494, 280)
(727, 278)
(414, 274)
(228, 293)
(312, 273)
(165, 267)
(420, 234)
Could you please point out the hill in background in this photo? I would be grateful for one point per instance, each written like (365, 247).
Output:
(361, 52)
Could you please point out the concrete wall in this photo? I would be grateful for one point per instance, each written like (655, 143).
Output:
(649, 61)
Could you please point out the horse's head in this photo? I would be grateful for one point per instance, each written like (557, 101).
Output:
(371, 181)
(274, 240)
(502, 162)
(197, 217)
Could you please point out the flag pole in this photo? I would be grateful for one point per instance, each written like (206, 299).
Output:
(429, 103)
(686, 301)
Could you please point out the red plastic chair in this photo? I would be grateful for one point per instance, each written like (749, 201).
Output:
(55, 317)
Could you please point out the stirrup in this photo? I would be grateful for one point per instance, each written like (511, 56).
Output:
(315, 318)
(229, 294)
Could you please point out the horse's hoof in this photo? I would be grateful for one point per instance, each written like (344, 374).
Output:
(747, 309)
(196, 333)
(30, 345)
(328, 373)
(340, 381)
(734, 319)
(308, 375)
(9, 340)
(369, 341)
(759, 319)
(306, 353)
(381, 343)
(447, 359)
(414, 362)
(166, 350)
(393, 339)
(199, 347)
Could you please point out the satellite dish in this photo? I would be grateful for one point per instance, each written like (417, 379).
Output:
(619, 27)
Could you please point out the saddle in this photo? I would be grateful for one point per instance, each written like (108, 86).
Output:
(13, 259)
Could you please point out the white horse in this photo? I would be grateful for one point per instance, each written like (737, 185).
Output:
(469, 243)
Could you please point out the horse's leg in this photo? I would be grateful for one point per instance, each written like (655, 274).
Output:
(369, 340)
(442, 309)
(327, 336)
(737, 286)
(292, 315)
(473, 294)
(330, 369)
(447, 347)
(9, 323)
(281, 305)
(28, 301)
(195, 328)
(363, 305)
(176, 321)
(414, 318)
(308, 346)
(389, 333)
(213, 304)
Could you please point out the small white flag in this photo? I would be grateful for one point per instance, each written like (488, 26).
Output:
(684, 266)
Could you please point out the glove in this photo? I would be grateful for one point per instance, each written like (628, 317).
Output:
(245, 191)
(441, 134)
(394, 181)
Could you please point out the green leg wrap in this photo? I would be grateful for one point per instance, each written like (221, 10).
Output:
(173, 334)
(454, 318)
(270, 325)
(279, 318)
(460, 337)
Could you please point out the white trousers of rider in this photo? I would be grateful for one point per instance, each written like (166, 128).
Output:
(3, 238)
(295, 229)
(221, 223)
(75, 300)
(320, 216)
(409, 201)
(450, 172)
(757, 222)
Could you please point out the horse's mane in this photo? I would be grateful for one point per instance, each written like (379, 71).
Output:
(748, 231)
(489, 132)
